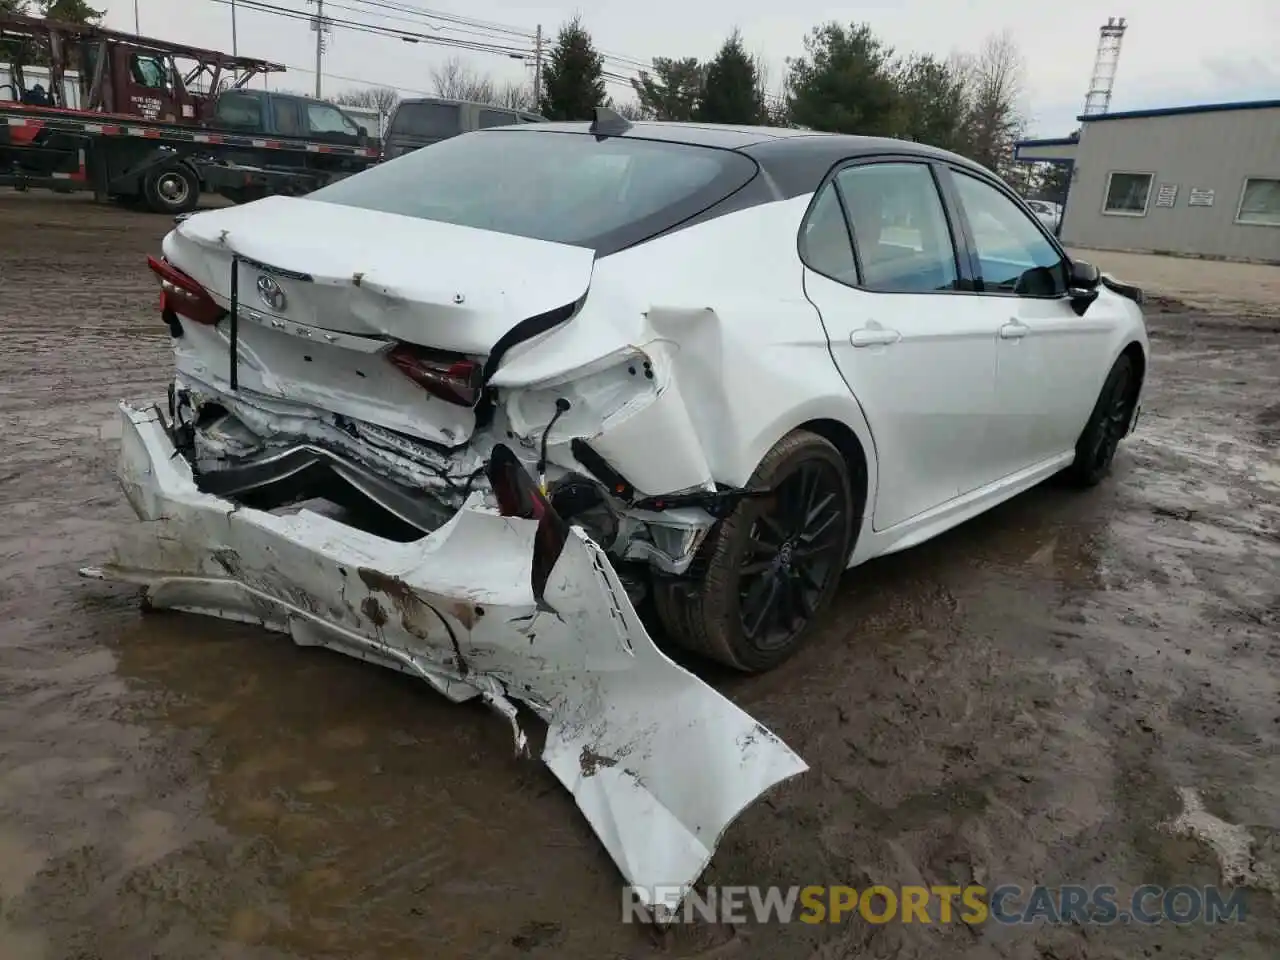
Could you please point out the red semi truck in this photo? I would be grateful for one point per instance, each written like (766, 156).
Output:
(154, 124)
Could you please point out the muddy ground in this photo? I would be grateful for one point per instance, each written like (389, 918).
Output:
(1016, 702)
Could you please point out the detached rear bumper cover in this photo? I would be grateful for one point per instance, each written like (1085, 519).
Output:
(658, 762)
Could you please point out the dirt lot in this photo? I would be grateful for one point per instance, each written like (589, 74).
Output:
(1017, 702)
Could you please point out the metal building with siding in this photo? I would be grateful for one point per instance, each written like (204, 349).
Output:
(1197, 181)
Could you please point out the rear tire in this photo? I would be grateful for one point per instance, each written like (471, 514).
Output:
(1096, 448)
(771, 567)
(173, 188)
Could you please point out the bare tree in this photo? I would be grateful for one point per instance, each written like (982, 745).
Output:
(630, 109)
(382, 99)
(995, 115)
(515, 96)
(456, 81)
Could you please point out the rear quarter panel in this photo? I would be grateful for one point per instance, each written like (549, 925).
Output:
(722, 303)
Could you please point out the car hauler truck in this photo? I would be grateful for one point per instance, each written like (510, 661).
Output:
(153, 124)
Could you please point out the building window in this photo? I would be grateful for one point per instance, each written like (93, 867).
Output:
(1260, 202)
(1127, 194)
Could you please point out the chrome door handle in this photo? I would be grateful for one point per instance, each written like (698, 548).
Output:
(1013, 330)
(874, 337)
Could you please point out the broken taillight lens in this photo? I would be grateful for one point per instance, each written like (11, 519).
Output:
(183, 295)
(518, 496)
(451, 378)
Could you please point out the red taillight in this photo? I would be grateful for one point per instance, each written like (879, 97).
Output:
(182, 295)
(455, 379)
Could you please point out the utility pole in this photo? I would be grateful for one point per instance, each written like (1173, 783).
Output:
(137, 29)
(537, 67)
(319, 27)
(234, 51)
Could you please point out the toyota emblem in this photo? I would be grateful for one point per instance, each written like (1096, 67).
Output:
(269, 292)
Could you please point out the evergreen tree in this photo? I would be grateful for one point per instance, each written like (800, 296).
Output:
(732, 92)
(672, 90)
(572, 80)
(844, 83)
(70, 11)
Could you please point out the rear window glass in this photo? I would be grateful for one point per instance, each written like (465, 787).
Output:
(426, 120)
(564, 187)
(495, 118)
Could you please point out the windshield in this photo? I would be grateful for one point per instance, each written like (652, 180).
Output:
(565, 187)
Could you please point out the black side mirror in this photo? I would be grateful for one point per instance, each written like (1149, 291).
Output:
(1082, 285)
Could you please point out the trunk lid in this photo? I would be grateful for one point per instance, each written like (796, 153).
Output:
(364, 272)
(325, 292)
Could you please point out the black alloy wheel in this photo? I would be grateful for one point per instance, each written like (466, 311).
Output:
(792, 553)
(767, 571)
(1096, 449)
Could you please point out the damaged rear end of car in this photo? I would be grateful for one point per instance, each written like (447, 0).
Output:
(394, 430)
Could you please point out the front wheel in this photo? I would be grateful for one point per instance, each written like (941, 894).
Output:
(769, 569)
(1096, 448)
(173, 188)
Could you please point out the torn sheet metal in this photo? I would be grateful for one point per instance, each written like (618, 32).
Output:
(658, 762)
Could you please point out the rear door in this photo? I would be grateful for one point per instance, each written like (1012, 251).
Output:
(1050, 362)
(287, 117)
(916, 349)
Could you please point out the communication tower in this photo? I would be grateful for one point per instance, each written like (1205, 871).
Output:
(1110, 36)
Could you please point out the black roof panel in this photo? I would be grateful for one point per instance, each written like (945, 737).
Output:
(797, 160)
(725, 136)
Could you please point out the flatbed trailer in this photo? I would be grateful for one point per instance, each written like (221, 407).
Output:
(145, 129)
(160, 166)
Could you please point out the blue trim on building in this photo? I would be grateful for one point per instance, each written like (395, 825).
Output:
(1179, 111)
(1052, 142)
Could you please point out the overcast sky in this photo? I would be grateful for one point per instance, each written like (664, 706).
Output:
(1174, 53)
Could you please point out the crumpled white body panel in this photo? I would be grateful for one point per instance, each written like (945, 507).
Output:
(658, 762)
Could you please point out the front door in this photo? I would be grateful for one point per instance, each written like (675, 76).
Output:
(919, 354)
(330, 125)
(1050, 362)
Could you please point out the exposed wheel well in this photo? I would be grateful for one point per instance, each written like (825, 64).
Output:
(855, 458)
(1139, 360)
(1134, 352)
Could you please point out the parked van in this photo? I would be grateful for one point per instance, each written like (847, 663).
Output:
(417, 122)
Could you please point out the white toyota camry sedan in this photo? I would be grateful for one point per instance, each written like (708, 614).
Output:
(458, 413)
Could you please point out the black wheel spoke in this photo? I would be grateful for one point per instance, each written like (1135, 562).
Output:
(805, 578)
(772, 525)
(814, 531)
(791, 555)
(761, 603)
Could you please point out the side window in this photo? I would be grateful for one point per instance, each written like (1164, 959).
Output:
(495, 118)
(899, 227)
(1013, 252)
(288, 114)
(148, 72)
(322, 118)
(824, 239)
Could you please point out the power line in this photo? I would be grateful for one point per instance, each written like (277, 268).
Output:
(408, 36)
(499, 45)
(425, 14)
